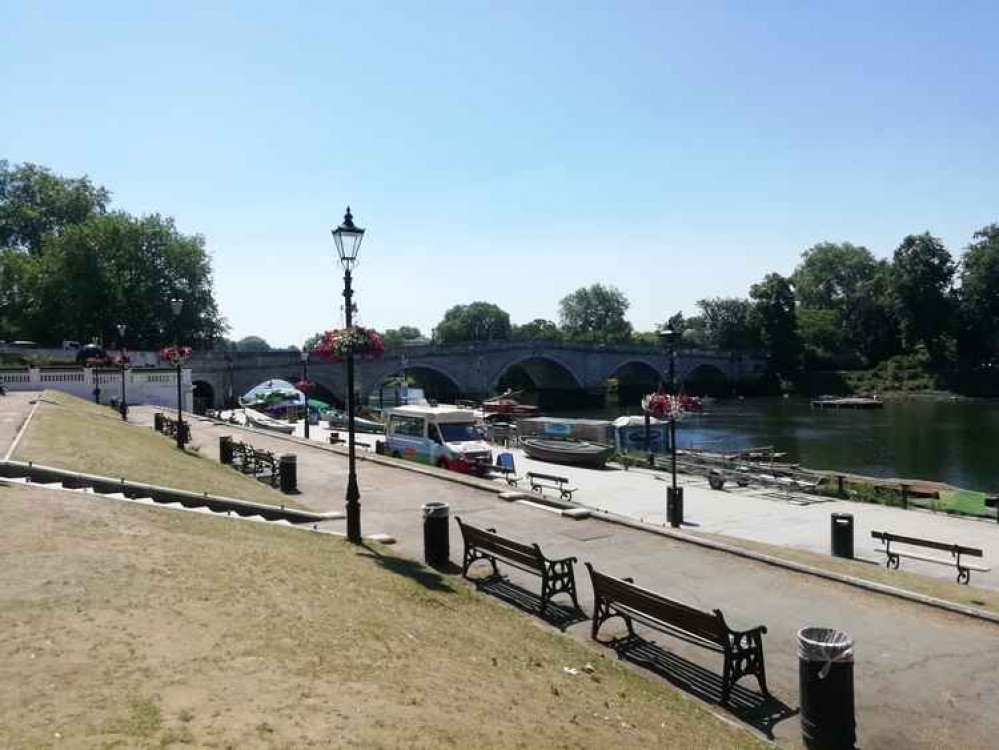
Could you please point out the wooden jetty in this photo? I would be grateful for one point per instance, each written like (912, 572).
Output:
(853, 402)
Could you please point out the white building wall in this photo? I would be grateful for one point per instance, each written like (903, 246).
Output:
(153, 386)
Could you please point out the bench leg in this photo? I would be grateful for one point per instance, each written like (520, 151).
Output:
(963, 575)
(744, 658)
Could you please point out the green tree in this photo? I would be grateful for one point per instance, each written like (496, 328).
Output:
(979, 297)
(478, 321)
(538, 329)
(396, 336)
(872, 325)
(695, 332)
(116, 268)
(252, 344)
(830, 275)
(822, 335)
(595, 313)
(922, 276)
(310, 343)
(728, 324)
(35, 203)
(773, 315)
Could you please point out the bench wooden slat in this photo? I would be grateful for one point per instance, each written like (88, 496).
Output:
(616, 597)
(885, 536)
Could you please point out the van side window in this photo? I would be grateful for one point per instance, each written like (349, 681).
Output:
(433, 433)
(406, 426)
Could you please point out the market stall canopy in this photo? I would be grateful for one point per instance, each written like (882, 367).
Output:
(273, 392)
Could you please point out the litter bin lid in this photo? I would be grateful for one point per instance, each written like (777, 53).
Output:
(842, 515)
(824, 644)
(431, 510)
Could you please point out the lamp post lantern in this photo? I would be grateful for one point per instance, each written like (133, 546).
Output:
(347, 238)
(674, 494)
(121, 356)
(305, 392)
(176, 305)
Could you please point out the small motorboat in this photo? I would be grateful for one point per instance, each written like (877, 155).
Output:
(258, 419)
(572, 452)
(508, 403)
(338, 420)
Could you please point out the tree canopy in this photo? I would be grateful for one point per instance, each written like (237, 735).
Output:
(72, 270)
(538, 329)
(396, 336)
(595, 313)
(922, 276)
(252, 344)
(477, 321)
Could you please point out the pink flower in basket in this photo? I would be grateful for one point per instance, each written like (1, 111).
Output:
(175, 354)
(662, 406)
(339, 344)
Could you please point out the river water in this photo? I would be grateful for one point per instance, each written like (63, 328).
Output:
(942, 440)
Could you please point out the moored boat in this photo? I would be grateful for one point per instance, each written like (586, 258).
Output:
(338, 420)
(508, 403)
(572, 452)
(257, 419)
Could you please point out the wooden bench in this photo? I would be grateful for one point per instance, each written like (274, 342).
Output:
(539, 482)
(557, 576)
(956, 550)
(620, 597)
(259, 463)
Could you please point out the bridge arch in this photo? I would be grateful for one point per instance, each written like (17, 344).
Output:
(706, 380)
(437, 382)
(635, 377)
(545, 371)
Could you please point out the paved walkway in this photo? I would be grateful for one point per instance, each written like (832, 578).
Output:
(14, 409)
(770, 516)
(924, 678)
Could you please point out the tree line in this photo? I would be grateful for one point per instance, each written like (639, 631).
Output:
(72, 268)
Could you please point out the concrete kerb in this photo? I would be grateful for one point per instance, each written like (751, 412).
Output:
(878, 588)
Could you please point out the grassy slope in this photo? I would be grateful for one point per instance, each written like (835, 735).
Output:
(127, 626)
(971, 596)
(70, 433)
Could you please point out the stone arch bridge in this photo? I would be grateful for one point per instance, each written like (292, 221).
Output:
(475, 370)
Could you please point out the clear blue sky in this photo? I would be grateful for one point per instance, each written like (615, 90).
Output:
(512, 151)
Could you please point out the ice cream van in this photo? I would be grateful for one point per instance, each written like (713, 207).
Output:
(443, 436)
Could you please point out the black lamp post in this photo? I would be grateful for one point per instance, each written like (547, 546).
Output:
(674, 494)
(305, 388)
(229, 386)
(176, 305)
(348, 241)
(121, 346)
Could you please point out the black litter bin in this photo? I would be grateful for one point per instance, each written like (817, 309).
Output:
(435, 534)
(288, 472)
(158, 421)
(841, 535)
(825, 680)
(674, 506)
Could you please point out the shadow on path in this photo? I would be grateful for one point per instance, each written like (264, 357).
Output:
(557, 614)
(426, 577)
(753, 708)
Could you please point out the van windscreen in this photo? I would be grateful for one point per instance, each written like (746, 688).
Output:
(459, 433)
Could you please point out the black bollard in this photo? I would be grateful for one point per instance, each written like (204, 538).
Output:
(674, 506)
(158, 422)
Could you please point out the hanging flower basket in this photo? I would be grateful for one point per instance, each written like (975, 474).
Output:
(175, 355)
(663, 406)
(304, 386)
(337, 345)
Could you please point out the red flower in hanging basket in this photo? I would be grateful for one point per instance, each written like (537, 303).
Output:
(304, 386)
(662, 406)
(175, 354)
(339, 344)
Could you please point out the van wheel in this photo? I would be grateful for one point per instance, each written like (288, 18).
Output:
(442, 464)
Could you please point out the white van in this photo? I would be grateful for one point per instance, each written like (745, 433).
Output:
(443, 436)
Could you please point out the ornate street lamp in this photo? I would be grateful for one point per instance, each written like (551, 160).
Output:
(674, 494)
(347, 238)
(121, 356)
(305, 386)
(176, 305)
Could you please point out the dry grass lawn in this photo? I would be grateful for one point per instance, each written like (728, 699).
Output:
(126, 626)
(951, 591)
(70, 433)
